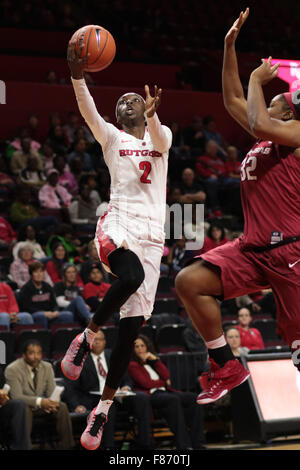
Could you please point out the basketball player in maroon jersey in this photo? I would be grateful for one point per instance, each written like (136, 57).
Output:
(268, 253)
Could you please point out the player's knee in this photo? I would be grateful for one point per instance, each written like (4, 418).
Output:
(184, 282)
(134, 279)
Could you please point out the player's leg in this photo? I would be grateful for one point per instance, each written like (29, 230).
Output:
(133, 312)
(226, 273)
(119, 360)
(198, 287)
(126, 265)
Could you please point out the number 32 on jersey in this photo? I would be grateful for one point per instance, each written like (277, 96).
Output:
(248, 166)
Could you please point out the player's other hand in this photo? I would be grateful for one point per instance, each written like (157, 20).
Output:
(235, 29)
(75, 62)
(265, 72)
(152, 102)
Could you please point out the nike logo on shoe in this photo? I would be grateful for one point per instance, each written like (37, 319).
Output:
(291, 265)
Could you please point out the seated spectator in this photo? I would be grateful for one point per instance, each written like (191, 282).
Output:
(92, 379)
(51, 77)
(53, 195)
(180, 409)
(176, 257)
(180, 154)
(95, 289)
(58, 139)
(210, 133)
(215, 237)
(210, 168)
(76, 168)
(31, 379)
(194, 136)
(250, 337)
(71, 126)
(23, 213)
(54, 266)
(47, 155)
(33, 128)
(65, 235)
(91, 258)
(80, 151)
(90, 180)
(8, 236)
(16, 144)
(7, 184)
(174, 196)
(38, 297)
(83, 210)
(31, 175)
(83, 132)
(9, 309)
(27, 236)
(19, 159)
(233, 338)
(19, 269)
(232, 166)
(13, 419)
(66, 178)
(191, 190)
(68, 295)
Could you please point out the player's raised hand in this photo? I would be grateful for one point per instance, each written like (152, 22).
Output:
(235, 29)
(266, 71)
(75, 61)
(152, 102)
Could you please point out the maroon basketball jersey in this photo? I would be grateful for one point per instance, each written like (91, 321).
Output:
(270, 193)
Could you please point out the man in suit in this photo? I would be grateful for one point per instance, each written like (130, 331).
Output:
(92, 379)
(13, 420)
(32, 380)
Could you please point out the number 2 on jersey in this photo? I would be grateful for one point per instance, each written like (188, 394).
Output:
(248, 166)
(146, 167)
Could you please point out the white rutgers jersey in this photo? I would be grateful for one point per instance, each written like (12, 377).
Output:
(138, 167)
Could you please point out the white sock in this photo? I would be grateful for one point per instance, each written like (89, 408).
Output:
(103, 407)
(216, 343)
(90, 335)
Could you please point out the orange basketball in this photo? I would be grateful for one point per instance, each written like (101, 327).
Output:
(98, 43)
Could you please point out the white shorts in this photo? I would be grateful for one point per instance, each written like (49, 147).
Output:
(145, 238)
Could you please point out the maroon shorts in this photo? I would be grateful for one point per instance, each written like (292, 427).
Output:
(247, 272)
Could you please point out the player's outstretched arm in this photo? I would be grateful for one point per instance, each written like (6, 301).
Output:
(233, 94)
(84, 99)
(265, 127)
(160, 135)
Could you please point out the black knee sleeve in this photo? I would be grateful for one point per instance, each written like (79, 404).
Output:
(126, 265)
(121, 354)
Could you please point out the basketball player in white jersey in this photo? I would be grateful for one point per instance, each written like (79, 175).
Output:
(130, 236)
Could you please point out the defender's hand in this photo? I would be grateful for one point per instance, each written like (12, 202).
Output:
(235, 29)
(265, 72)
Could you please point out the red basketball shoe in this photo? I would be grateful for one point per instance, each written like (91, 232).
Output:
(206, 376)
(220, 381)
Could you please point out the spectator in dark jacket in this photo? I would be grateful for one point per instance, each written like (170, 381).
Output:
(68, 295)
(39, 299)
